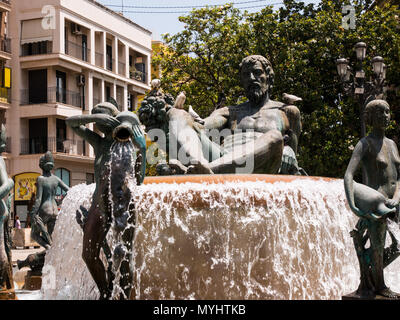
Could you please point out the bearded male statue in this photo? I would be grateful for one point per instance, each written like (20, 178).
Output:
(259, 135)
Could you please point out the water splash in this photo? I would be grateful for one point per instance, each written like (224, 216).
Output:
(122, 187)
(243, 240)
(394, 228)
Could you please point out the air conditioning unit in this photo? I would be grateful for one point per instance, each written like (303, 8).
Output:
(75, 28)
(80, 80)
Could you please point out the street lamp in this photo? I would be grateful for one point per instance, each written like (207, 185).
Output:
(377, 65)
(361, 50)
(364, 91)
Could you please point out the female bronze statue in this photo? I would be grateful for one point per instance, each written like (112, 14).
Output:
(6, 185)
(374, 202)
(44, 212)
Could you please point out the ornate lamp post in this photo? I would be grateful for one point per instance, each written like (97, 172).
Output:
(355, 84)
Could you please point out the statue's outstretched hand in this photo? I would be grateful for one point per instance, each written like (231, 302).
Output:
(391, 203)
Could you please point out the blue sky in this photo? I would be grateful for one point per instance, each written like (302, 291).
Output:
(166, 19)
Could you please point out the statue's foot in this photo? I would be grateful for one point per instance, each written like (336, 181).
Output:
(387, 293)
(199, 168)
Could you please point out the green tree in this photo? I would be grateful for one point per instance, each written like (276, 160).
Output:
(302, 42)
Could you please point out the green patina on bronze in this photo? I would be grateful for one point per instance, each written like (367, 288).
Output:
(44, 213)
(374, 202)
(261, 124)
(116, 127)
(6, 185)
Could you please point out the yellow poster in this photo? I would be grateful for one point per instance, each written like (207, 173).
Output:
(25, 185)
(7, 78)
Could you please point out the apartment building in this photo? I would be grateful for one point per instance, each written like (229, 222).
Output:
(67, 56)
(5, 56)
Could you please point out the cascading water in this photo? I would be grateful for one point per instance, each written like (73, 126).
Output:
(122, 187)
(232, 240)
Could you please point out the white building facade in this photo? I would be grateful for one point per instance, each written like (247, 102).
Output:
(67, 56)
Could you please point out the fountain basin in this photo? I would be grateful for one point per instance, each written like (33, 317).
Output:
(223, 237)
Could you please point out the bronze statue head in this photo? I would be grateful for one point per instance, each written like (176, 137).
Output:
(256, 76)
(46, 161)
(377, 113)
(105, 108)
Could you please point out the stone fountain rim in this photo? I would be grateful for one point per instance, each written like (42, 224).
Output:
(223, 178)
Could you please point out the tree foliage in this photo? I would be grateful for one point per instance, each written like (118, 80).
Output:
(302, 42)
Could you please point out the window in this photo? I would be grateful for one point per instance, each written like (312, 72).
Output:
(64, 175)
(61, 92)
(89, 178)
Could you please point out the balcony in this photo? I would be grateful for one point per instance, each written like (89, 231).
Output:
(8, 145)
(109, 63)
(5, 44)
(77, 51)
(44, 144)
(99, 59)
(96, 101)
(121, 68)
(5, 95)
(54, 95)
(138, 75)
(5, 5)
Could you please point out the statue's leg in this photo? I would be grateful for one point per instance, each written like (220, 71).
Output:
(377, 236)
(264, 155)
(36, 234)
(50, 225)
(366, 287)
(94, 234)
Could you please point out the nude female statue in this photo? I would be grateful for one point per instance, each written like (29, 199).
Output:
(381, 159)
(44, 212)
(98, 219)
(6, 185)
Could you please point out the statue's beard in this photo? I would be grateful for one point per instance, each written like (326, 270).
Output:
(256, 95)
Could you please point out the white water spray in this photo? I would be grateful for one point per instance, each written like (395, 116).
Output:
(238, 240)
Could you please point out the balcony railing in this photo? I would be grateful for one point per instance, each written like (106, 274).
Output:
(54, 95)
(77, 51)
(96, 101)
(44, 144)
(138, 75)
(5, 95)
(99, 59)
(5, 44)
(34, 145)
(121, 68)
(31, 49)
(8, 145)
